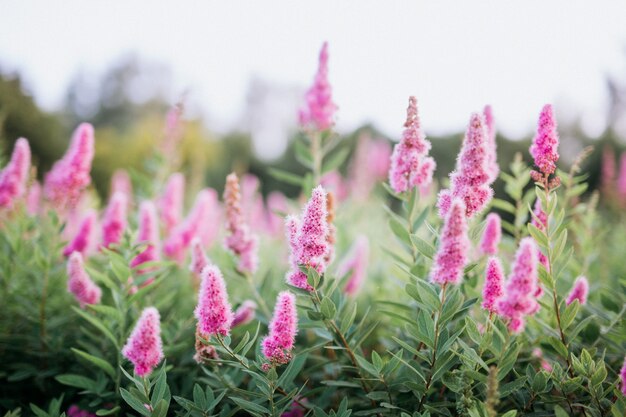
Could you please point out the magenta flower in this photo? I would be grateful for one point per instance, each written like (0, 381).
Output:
(200, 222)
(319, 109)
(491, 236)
(245, 313)
(494, 281)
(15, 174)
(622, 375)
(143, 347)
(239, 240)
(75, 411)
(114, 221)
(451, 255)
(199, 260)
(355, 263)
(491, 146)
(70, 175)
(79, 283)
(621, 181)
(470, 180)
(171, 202)
(33, 198)
(410, 164)
(520, 289)
(283, 328)
(546, 141)
(214, 314)
(148, 234)
(308, 239)
(579, 292)
(84, 237)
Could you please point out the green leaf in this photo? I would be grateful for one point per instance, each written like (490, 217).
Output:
(423, 247)
(559, 412)
(328, 308)
(134, 402)
(284, 176)
(99, 362)
(108, 411)
(97, 324)
(77, 381)
(249, 406)
(335, 159)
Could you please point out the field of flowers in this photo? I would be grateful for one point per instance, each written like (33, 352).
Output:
(377, 293)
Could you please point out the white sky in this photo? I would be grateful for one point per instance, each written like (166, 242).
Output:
(455, 56)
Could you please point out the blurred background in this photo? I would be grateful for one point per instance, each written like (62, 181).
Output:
(240, 70)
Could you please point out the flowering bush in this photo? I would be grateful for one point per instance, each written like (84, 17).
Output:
(451, 309)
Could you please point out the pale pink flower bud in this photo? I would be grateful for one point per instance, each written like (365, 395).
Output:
(283, 328)
(144, 346)
(171, 202)
(494, 282)
(470, 180)
(546, 141)
(579, 292)
(79, 283)
(148, 234)
(491, 236)
(214, 313)
(319, 109)
(120, 182)
(199, 259)
(70, 175)
(239, 240)
(410, 164)
(33, 198)
(451, 255)
(355, 263)
(492, 153)
(15, 174)
(84, 237)
(114, 221)
(245, 313)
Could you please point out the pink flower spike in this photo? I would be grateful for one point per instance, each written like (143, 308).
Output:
(171, 202)
(621, 181)
(79, 283)
(622, 375)
(410, 164)
(319, 110)
(33, 198)
(214, 314)
(149, 234)
(144, 346)
(283, 328)
(245, 313)
(355, 263)
(546, 141)
(240, 240)
(84, 237)
(120, 182)
(494, 281)
(491, 146)
(451, 256)
(470, 180)
(579, 292)
(114, 221)
(15, 174)
(199, 259)
(70, 175)
(491, 235)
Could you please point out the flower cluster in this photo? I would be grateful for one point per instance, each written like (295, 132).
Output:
(114, 221)
(545, 143)
(494, 281)
(451, 255)
(214, 313)
(277, 346)
(14, 176)
(149, 235)
(319, 110)
(79, 283)
(491, 236)
(143, 347)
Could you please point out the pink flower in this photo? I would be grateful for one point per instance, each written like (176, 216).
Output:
(491, 146)
(171, 202)
(470, 180)
(545, 365)
(199, 260)
(621, 181)
(370, 164)
(283, 328)
(15, 174)
(540, 221)
(75, 411)
(451, 256)
(579, 292)
(239, 240)
(622, 375)
(355, 263)
(79, 283)
(520, 289)
(33, 198)
(546, 141)
(491, 235)
(148, 234)
(143, 347)
(120, 182)
(70, 175)
(214, 314)
(85, 235)
(494, 280)
(319, 109)
(276, 205)
(410, 165)
(308, 239)
(200, 222)
(245, 313)
(114, 221)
